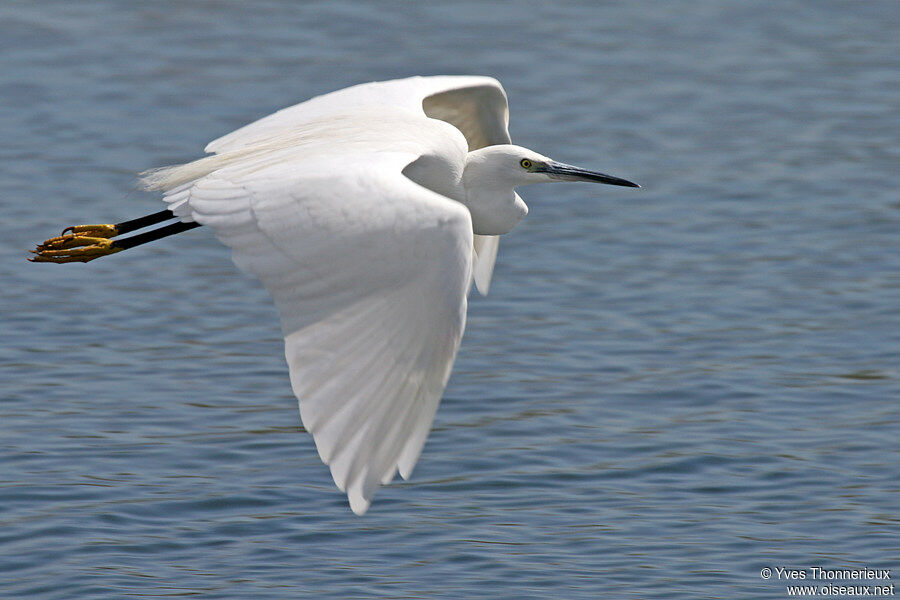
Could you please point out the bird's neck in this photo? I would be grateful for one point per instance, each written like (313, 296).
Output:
(493, 203)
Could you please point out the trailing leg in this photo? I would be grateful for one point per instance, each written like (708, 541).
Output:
(83, 243)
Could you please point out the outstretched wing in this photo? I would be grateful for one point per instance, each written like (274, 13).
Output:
(477, 106)
(369, 272)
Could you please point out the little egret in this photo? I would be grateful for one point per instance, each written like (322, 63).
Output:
(367, 213)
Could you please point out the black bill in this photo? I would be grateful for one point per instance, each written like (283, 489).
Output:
(566, 172)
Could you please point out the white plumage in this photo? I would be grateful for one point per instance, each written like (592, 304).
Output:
(367, 213)
(368, 269)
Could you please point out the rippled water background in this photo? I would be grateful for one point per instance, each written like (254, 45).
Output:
(666, 390)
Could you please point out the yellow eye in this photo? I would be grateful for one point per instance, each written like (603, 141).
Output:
(526, 164)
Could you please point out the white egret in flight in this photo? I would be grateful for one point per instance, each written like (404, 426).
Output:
(367, 213)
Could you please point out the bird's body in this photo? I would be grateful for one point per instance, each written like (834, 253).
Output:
(336, 137)
(366, 213)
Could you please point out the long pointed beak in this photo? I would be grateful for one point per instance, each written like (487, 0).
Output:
(566, 172)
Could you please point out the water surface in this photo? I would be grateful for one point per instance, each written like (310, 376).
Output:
(666, 390)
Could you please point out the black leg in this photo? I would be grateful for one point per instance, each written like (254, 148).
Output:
(145, 221)
(155, 234)
(83, 243)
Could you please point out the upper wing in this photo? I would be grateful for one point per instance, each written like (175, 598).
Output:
(369, 272)
(477, 106)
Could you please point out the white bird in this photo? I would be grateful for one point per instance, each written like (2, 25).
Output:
(367, 213)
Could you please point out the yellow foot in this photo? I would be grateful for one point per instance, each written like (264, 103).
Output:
(73, 247)
(104, 230)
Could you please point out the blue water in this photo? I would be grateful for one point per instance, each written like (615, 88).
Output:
(666, 391)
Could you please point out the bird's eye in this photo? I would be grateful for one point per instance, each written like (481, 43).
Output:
(526, 164)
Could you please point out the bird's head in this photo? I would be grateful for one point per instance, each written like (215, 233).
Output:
(493, 172)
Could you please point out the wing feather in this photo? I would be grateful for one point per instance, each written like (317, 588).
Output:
(369, 272)
(486, 247)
